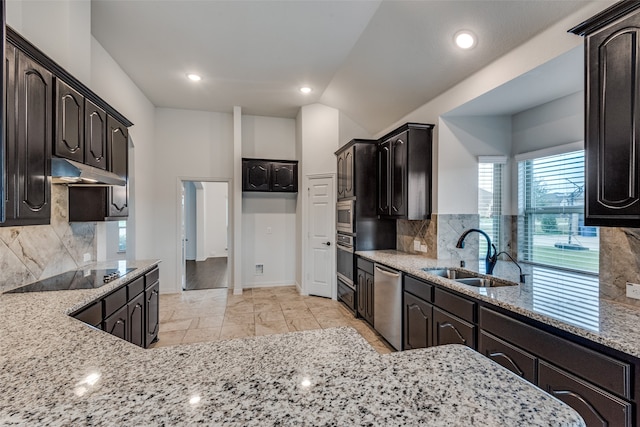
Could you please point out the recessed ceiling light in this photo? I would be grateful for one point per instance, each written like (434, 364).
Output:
(465, 39)
(194, 77)
(305, 89)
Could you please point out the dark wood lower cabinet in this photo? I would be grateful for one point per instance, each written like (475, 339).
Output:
(514, 359)
(449, 329)
(135, 314)
(595, 406)
(130, 312)
(117, 324)
(418, 323)
(152, 320)
(364, 294)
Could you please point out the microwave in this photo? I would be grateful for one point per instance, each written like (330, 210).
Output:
(345, 212)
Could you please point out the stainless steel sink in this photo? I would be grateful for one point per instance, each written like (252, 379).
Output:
(450, 273)
(467, 277)
(481, 282)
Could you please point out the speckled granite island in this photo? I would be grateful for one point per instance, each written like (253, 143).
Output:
(57, 370)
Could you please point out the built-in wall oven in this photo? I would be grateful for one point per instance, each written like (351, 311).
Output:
(345, 211)
(345, 244)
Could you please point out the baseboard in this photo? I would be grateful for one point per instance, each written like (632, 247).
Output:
(266, 285)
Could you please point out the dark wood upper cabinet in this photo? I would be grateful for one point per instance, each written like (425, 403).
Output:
(105, 203)
(262, 175)
(70, 123)
(346, 171)
(29, 137)
(404, 172)
(95, 131)
(612, 113)
(117, 152)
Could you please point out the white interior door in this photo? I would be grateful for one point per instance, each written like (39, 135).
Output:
(321, 253)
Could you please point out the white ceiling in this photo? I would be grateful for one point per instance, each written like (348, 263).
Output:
(376, 61)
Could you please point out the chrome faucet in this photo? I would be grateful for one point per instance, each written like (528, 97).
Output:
(491, 259)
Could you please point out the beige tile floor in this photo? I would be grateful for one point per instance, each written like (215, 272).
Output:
(217, 314)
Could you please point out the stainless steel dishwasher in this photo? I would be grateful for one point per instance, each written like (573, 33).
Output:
(387, 304)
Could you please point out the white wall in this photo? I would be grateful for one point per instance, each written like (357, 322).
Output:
(554, 123)
(348, 130)
(268, 220)
(216, 232)
(60, 28)
(193, 145)
(466, 138)
(318, 134)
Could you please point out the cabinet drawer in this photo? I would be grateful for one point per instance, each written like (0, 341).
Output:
(365, 265)
(604, 371)
(114, 301)
(454, 304)
(418, 288)
(91, 315)
(514, 359)
(134, 288)
(152, 277)
(597, 407)
(449, 329)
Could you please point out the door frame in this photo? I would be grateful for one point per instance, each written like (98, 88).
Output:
(306, 250)
(181, 266)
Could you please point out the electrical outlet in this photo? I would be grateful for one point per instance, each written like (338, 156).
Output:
(633, 290)
(416, 245)
(423, 248)
(259, 269)
(269, 231)
(87, 257)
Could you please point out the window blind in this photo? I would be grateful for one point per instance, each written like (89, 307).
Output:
(551, 227)
(489, 203)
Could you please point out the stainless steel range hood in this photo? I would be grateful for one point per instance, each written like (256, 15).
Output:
(68, 172)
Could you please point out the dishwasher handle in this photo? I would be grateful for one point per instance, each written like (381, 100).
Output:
(393, 274)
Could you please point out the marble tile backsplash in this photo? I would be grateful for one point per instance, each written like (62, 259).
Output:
(619, 262)
(423, 231)
(35, 252)
(450, 227)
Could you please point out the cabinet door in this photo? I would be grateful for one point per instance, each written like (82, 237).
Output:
(117, 324)
(383, 154)
(70, 123)
(595, 406)
(284, 177)
(449, 329)
(361, 294)
(418, 322)
(613, 115)
(514, 359)
(256, 175)
(34, 138)
(341, 177)
(117, 152)
(349, 177)
(135, 313)
(369, 296)
(152, 320)
(398, 175)
(95, 135)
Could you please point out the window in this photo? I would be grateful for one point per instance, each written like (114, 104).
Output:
(122, 236)
(551, 227)
(490, 172)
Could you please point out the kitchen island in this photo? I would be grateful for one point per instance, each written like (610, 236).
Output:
(57, 370)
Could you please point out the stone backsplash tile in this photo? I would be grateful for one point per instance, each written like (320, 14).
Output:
(619, 262)
(424, 231)
(450, 228)
(35, 252)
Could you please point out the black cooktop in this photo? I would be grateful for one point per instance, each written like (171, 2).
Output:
(75, 279)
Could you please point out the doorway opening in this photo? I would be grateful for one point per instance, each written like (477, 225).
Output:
(205, 235)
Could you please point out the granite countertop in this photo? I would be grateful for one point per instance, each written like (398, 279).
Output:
(567, 301)
(57, 370)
